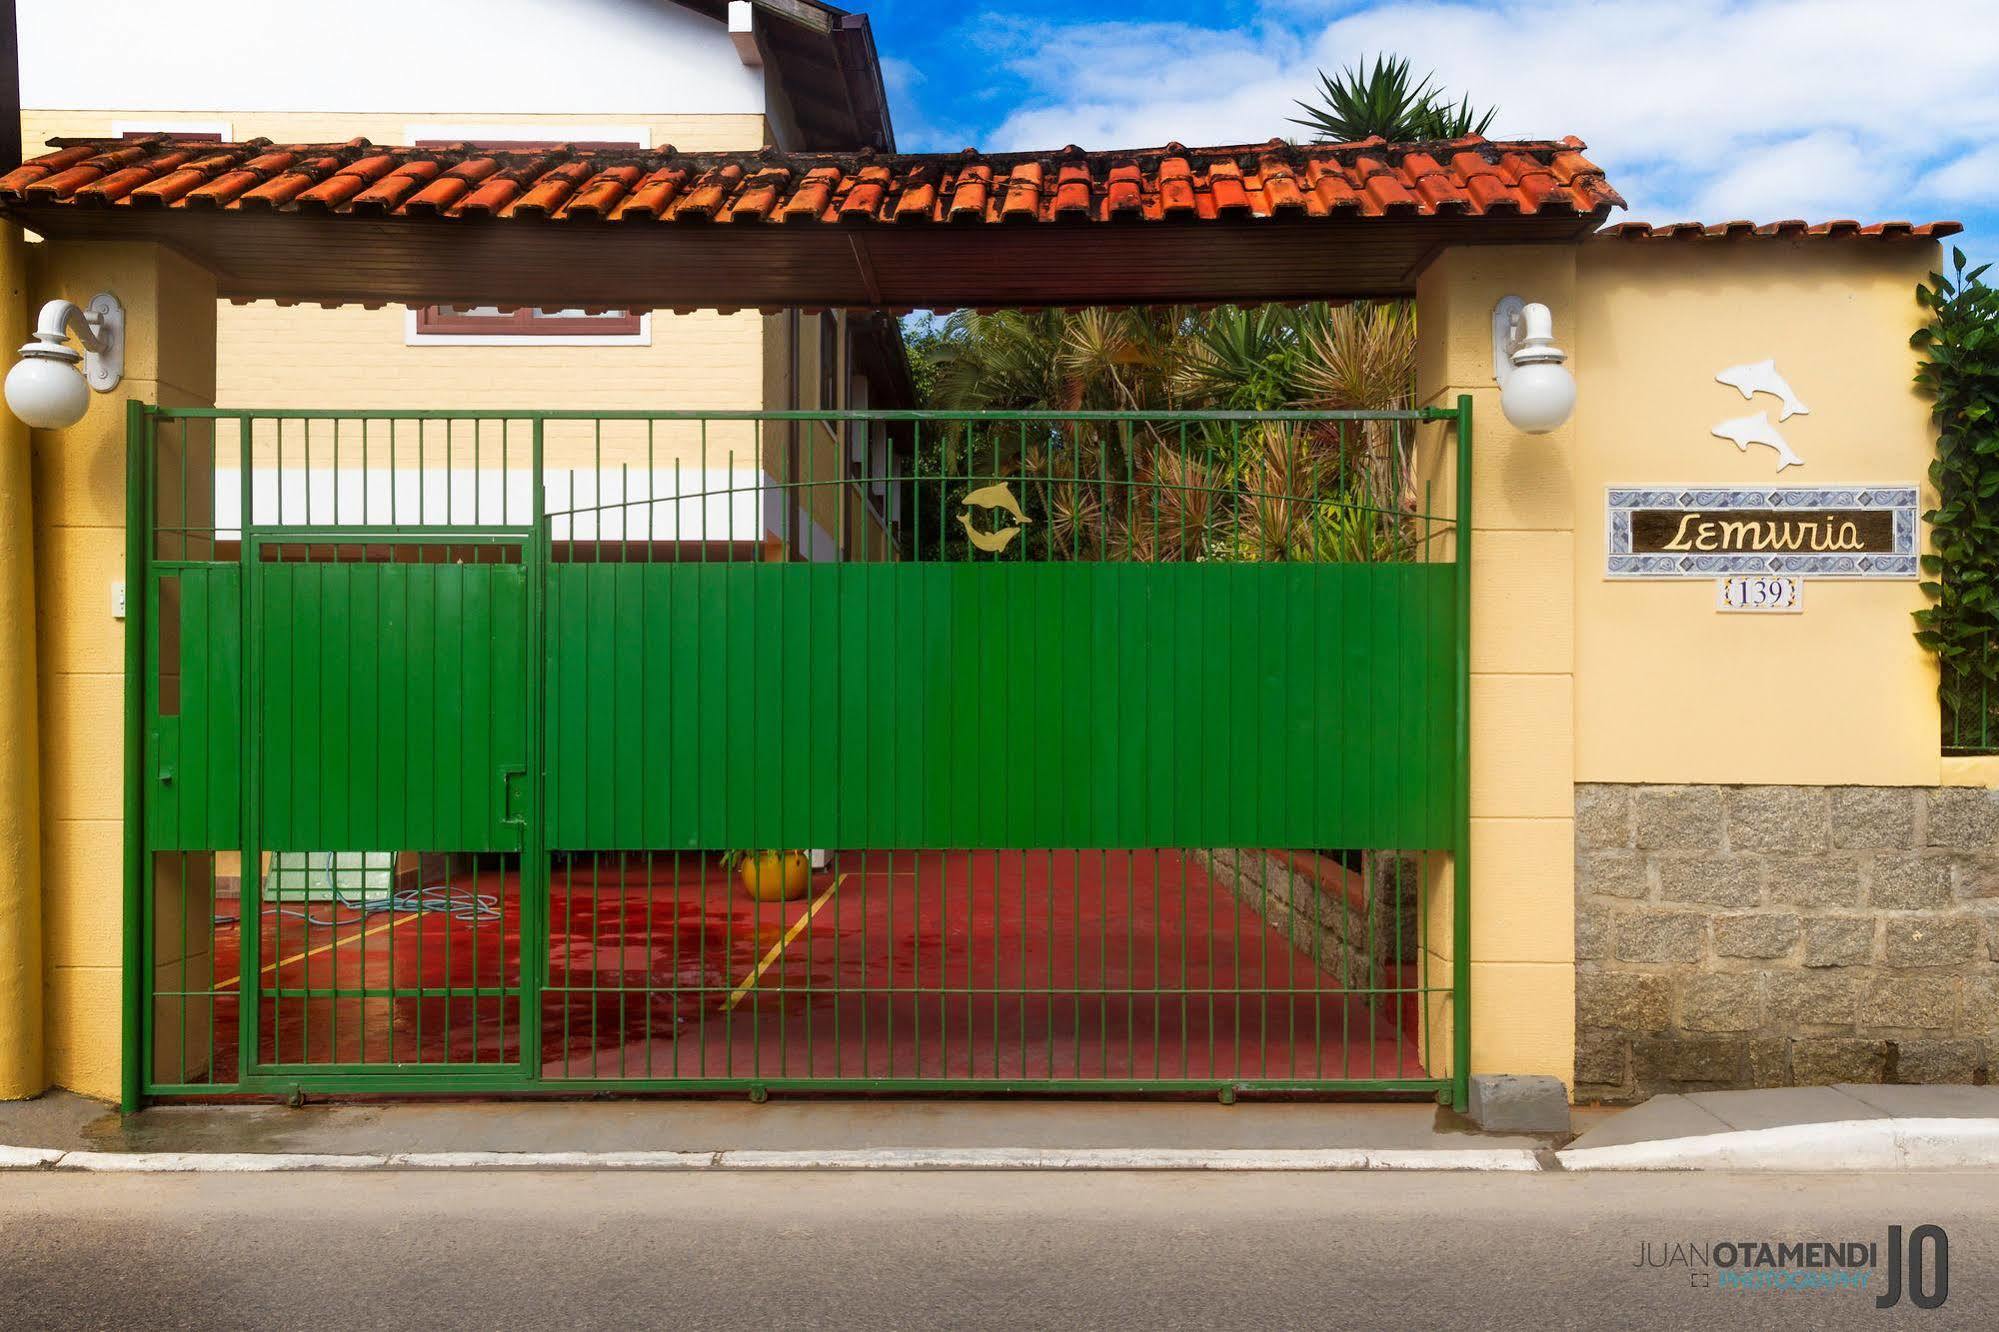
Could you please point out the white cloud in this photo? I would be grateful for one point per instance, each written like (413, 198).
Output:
(1973, 178)
(1814, 176)
(1705, 108)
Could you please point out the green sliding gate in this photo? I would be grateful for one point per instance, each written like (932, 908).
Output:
(662, 751)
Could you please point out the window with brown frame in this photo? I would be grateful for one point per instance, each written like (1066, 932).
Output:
(509, 322)
(500, 321)
(829, 362)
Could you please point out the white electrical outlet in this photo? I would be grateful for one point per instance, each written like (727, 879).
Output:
(118, 601)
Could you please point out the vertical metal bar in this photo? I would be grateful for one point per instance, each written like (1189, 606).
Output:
(795, 521)
(645, 835)
(250, 886)
(138, 552)
(531, 965)
(1461, 853)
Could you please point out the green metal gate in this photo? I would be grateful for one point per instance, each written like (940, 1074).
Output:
(1091, 751)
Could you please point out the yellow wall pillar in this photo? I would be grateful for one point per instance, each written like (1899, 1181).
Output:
(1522, 669)
(22, 1068)
(79, 485)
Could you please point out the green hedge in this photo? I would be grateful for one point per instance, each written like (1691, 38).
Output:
(1960, 370)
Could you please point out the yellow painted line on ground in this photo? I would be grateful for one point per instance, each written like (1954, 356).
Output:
(230, 984)
(770, 958)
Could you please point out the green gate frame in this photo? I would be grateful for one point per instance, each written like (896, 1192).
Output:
(137, 1087)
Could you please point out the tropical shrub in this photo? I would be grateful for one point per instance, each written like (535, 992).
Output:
(1960, 371)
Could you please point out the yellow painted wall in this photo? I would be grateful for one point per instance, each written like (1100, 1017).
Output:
(1668, 689)
(79, 480)
(1522, 675)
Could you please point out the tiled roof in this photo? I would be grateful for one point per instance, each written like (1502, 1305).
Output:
(1470, 177)
(1789, 229)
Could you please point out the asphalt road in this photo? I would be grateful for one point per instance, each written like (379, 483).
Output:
(886, 1251)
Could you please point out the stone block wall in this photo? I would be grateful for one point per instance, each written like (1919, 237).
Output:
(1359, 926)
(1760, 936)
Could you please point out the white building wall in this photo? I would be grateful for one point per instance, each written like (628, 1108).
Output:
(548, 57)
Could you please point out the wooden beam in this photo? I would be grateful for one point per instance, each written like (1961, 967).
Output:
(804, 15)
(10, 90)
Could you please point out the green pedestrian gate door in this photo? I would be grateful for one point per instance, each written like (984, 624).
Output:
(751, 751)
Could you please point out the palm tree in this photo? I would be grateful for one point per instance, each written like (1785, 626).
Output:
(1388, 102)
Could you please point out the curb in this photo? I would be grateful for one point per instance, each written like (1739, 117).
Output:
(875, 1159)
(1846, 1145)
(232, 1163)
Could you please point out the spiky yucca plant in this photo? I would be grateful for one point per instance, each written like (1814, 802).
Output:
(1387, 101)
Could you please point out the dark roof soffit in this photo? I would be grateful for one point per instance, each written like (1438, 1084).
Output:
(826, 61)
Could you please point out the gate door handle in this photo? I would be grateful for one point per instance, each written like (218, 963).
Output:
(507, 814)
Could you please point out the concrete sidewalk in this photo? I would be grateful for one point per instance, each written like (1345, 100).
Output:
(1850, 1126)
(1847, 1127)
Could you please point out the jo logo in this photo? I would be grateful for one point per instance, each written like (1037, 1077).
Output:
(1928, 1268)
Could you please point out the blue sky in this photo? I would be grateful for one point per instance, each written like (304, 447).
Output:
(1704, 109)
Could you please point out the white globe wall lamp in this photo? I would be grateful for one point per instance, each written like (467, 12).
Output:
(1536, 391)
(45, 388)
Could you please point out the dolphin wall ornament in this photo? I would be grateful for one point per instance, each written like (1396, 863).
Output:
(1757, 377)
(996, 497)
(1742, 431)
(999, 497)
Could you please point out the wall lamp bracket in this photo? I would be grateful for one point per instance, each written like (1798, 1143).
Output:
(1536, 391)
(45, 387)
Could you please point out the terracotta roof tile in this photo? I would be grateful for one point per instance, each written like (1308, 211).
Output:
(653, 195)
(1022, 199)
(812, 197)
(866, 194)
(1124, 192)
(385, 194)
(1176, 188)
(600, 193)
(1281, 194)
(1790, 228)
(1468, 177)
(294, 179)
(916, 199)
(970, 192)
(1225, 187)
(1072, 192)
